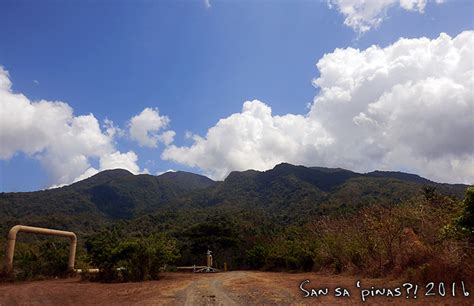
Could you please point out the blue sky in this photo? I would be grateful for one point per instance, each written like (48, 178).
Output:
(196, 64)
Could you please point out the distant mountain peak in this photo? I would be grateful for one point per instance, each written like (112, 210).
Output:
(235, 175)
(285, 165)
(101, 178)
(331, 170)
(400, 175)
(177, 174)
(110, 174)
(118, 172)
(192, 180)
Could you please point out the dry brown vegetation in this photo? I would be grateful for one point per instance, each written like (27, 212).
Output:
(411, 241)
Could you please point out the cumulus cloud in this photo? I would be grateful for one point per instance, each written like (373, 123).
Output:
(363, 15)
(163, 172)
(144, 128)
(167, 137)
(111, 129)
(120, 160)
(406, 106)
(64, 143)
(250, 139)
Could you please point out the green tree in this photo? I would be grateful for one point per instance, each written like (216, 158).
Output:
(122, 258)
(104, 254)
(142, 258)
(465, 222)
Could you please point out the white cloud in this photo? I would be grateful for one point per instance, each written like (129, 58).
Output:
(251, 139)
(120, 160)
(5, 83)
(64, 143)
(406, 106)
(167, 137)
(413, 5)
(363, 15)
(163, 172)
(145, 126)
(111, 129)
(409, 105)
(207, 4)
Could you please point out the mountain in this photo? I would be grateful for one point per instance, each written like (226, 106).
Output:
(190, 181)
(89, 204)
(284, 195)
(99, 179)
(130, 196)
(400, 176)
(289, 193)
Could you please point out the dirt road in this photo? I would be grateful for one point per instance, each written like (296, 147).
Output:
(231, 288)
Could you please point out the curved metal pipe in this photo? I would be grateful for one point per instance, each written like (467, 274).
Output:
(10, 251)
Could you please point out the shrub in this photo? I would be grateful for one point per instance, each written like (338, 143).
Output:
(47, 259)
(414, 239)
(129, 258)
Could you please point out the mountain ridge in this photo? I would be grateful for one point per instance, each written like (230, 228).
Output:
(110, 174)
(285, 194)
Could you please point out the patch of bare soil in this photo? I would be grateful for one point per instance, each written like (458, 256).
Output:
(231, 288)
